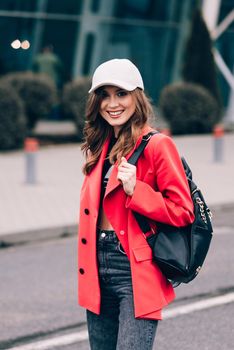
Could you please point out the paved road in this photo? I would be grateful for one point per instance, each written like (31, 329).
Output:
(38, 296)
(206, 330)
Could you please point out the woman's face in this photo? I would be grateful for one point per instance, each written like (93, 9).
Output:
(117, 106)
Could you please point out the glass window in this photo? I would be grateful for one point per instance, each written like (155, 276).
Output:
(159, 10)
(95, 6)
(16, 28)
(61, 35)
(17, 5)
(226, 48)
(226, 7)
(88, 53)
(72, 7)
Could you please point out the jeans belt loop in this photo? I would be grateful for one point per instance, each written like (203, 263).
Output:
(121, 248)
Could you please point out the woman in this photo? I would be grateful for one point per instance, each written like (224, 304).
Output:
(119, 285)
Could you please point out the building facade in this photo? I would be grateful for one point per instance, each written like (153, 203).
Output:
(84, 33)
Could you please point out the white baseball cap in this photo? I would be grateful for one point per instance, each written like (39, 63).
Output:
(118, 72)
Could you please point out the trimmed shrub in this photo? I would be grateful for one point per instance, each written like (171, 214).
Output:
(12, 119)
(199, 65)
(37, 91)
(74, 100)
(189, 108)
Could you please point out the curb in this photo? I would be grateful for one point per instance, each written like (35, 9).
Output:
(32, 236)
(64, 231)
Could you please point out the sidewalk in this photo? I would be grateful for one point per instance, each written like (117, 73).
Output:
(50, 207)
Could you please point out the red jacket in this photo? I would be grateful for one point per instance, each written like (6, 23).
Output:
(162, 194)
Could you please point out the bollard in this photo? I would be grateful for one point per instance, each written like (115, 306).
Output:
(218, 133)
(30, 149)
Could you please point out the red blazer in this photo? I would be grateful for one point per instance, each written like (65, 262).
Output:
(162, 194)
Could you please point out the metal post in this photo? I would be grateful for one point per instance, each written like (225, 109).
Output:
(210, 11)
(30, 148)
(218, 134)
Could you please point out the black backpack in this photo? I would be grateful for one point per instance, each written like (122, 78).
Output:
(178, 251)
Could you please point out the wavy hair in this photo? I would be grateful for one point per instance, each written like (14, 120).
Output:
(97, 130)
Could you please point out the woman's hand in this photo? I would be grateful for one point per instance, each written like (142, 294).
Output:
(127, 175)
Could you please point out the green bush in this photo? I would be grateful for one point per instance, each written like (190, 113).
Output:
(189, 108)
(74, 100)
(12, 119)
(37, 91)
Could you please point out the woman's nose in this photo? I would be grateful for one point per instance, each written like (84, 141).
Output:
(113, 102)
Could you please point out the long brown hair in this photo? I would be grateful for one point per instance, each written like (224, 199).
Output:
(97, 130)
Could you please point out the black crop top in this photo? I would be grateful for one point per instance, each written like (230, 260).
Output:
(106, 167)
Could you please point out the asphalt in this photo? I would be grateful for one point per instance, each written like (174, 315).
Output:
(49, 208)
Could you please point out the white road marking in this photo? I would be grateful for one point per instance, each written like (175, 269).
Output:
(57, 342)
(73, 338)
(199, 305)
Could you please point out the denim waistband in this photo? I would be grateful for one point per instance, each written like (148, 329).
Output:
(107, 235)
(99, 230)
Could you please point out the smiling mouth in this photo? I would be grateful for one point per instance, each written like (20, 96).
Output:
(115, 114)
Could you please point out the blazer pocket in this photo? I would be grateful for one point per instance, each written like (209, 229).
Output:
(142, 253)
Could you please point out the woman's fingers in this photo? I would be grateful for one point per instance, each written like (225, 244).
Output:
(126, 170)
(127, 175)
(125, 166)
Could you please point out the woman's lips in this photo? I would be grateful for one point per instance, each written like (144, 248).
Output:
(115, 114)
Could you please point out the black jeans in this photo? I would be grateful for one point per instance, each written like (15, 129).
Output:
(116, 327)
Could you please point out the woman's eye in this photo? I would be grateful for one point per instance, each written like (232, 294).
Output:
(122, 93)
(104, 94)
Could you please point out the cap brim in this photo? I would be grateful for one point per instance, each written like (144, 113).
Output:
(120, 84)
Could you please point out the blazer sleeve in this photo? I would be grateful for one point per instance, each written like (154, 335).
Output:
(171, 202)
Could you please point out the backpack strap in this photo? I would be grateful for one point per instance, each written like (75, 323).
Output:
(142, 220)
(138, 151)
